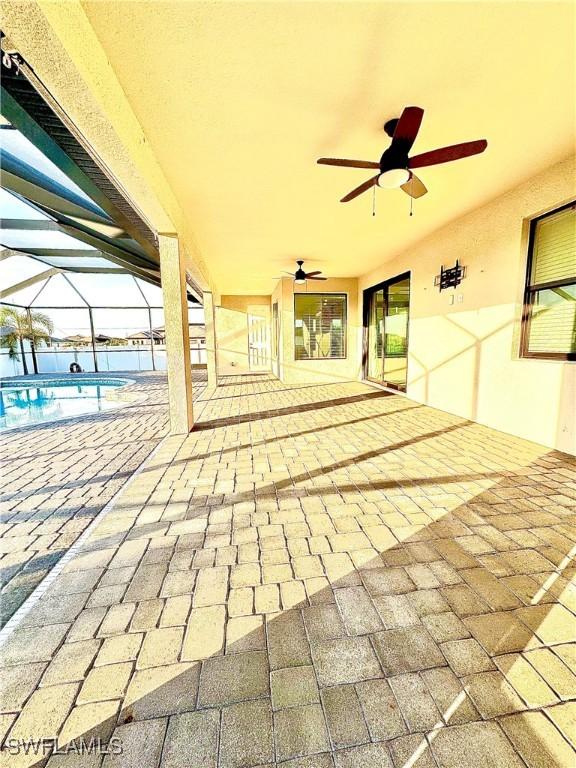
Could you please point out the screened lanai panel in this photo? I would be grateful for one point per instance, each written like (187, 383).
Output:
(115, 350)
(41, 189)
(72, 342)
(14, 143)
(157, 317)
(58, 359)
(51, 247)
(195, 314)
(12, 207)
(119, 324)
(56, 216)
(16, 269)
(25, 296)
(58, 293)
(21, 239)
(49, 167)
(72, 262)
(109, 290)
(69, 322)
(153, 293)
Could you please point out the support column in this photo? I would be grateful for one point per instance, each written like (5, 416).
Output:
(151, 338)
(210, 323)
(173, 276)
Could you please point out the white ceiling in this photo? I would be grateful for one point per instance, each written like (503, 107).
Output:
(238, 99)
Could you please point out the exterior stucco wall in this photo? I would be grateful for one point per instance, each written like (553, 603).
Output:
(464, 357)
(232, 332)
(328, 370)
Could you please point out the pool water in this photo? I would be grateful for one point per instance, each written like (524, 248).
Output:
(24, 403)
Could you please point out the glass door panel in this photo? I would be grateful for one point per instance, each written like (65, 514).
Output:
(396, 334)
(387, 333)
(376, 336)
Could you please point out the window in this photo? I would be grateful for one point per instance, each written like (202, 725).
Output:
(549, 322)
(319, 326)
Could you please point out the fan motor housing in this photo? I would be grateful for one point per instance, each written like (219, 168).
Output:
(390, 126)
(393, 157)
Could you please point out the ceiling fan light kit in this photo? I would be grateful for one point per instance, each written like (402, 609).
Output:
(393, 178)
(395, 165)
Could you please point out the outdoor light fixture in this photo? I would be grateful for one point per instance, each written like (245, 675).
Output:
(393, 178)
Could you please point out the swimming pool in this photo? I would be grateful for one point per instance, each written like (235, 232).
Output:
(24, 402)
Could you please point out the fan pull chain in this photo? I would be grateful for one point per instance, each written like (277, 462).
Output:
(411, 196)
(373, 200)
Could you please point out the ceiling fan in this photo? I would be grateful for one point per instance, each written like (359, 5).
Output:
(395, 167)
(300, 276)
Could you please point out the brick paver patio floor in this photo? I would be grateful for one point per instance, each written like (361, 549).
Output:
(57, 476)
(315, 577)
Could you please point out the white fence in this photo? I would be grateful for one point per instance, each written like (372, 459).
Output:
(108, 358)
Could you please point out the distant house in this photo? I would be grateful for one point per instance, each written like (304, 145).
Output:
(197, 332)
(78, 340)
(142, 338)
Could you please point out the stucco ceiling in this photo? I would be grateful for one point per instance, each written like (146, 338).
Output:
(238, 100)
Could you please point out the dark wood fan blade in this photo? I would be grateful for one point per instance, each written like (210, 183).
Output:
(447, 154)
(407, 127)
(414, 187)
(358, 191)
(311, 277)
(347, 163)
(314, 272)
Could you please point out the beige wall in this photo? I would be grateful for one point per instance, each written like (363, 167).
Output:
(232, 331)
(318, 371)
(463, 357)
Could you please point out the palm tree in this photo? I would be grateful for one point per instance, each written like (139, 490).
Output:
(20, 324)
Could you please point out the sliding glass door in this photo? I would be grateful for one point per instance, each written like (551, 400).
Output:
(375, 361)
(386, 322)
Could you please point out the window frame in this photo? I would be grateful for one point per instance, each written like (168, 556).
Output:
(530, 292)
(345, 324)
